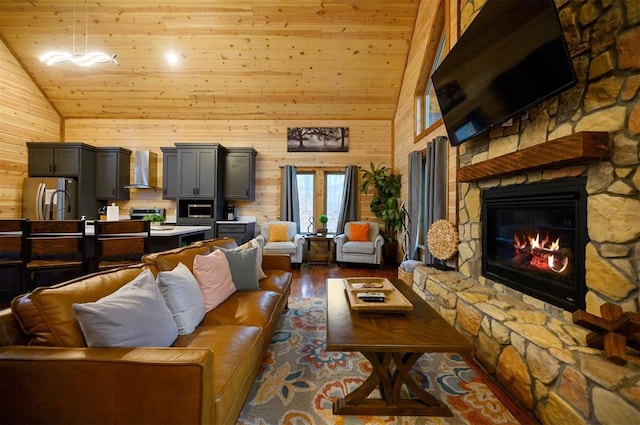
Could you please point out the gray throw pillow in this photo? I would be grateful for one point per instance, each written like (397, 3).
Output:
(133, 316)
(243, 268)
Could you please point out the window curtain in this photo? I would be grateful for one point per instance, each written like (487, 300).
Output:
(289, 203)
(435, 187)
(350, 199)
(416, 190)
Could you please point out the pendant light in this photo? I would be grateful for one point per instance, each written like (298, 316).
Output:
(83, 59)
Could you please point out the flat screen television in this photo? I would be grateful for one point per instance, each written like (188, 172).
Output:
(511, 57)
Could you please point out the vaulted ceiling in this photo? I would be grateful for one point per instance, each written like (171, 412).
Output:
(245, 59)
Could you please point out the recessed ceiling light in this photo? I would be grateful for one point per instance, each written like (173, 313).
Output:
(172, 57)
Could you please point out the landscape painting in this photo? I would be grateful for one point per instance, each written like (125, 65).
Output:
(317, 139)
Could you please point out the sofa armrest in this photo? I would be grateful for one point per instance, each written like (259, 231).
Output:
(276, 262)
(106, 385)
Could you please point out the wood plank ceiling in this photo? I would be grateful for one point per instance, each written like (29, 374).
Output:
(246, 59)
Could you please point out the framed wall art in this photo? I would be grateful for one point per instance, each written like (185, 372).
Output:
(317, 139)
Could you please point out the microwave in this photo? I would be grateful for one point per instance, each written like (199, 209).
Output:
(199, 210)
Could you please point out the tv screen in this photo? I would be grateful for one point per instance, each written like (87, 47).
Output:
(511, 57)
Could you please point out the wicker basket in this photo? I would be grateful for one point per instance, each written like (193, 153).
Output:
(406, 277)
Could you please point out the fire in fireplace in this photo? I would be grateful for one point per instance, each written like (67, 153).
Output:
(534, 237)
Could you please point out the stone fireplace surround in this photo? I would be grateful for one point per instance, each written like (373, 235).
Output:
(530, 347)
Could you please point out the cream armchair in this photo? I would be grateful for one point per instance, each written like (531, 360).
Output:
(275, 242)
(353, 248)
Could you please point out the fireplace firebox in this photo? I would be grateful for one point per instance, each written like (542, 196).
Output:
(534, 238)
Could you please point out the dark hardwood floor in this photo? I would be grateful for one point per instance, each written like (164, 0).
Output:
(309, 281)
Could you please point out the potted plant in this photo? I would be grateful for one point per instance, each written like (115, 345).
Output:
(323, 221)
(155, 219)
(384, 205)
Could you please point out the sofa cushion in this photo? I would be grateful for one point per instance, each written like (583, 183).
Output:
(46, 314)
(277, 281)
(278, 232)
(133, 316)
(183, 297)
(168, 260)
(280, 248)
(238, 354)
(252, 308)
(359, 232)
(352, 247)
(214, 278)
(243, 268)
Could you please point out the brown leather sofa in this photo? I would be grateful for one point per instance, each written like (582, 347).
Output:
(48, 375)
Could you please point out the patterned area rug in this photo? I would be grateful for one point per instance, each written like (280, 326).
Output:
(299, 380)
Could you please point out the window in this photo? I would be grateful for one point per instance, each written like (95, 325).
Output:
(305, 199)
(333, 196)
(427, 110)
(319, 192)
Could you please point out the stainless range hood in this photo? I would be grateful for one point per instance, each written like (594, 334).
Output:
(145, 170)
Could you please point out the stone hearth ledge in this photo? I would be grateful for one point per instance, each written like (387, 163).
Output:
(542, 360)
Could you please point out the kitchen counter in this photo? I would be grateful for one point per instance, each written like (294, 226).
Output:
(170, 230)
(163, 240)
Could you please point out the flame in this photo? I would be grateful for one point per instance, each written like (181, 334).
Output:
(544, 253)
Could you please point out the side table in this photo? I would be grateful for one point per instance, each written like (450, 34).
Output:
(326, 241)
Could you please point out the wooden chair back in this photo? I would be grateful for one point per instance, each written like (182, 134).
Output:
(13, 235)
(55, 245)
(12, 242)
(121, 243)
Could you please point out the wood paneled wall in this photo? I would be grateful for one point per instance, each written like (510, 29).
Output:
(368, 141)
(25, 114)
(404, 121)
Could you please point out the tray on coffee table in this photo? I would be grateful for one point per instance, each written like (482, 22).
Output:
(394, 301)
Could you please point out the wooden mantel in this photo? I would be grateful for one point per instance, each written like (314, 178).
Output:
(576, 148)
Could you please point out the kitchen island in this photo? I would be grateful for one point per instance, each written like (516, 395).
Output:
(164, 238)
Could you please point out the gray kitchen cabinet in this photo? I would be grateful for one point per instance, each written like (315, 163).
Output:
(200, 169)
(169, 173)
(68, 159)
(112, 173)
(240, 174)
(241, 232)
(55, 159)
(200, 179)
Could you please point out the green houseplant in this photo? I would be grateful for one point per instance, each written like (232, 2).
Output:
(323, 221)
(384, 205)
(155, 219)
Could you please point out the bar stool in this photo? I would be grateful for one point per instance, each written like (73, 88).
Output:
(121, 243)
(12, 252)
(55, 245)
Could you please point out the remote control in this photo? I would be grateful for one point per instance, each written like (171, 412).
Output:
(371, 296)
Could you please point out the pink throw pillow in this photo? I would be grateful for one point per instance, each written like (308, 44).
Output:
(214, 278)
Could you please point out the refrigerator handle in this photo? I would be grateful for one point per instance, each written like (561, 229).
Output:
(40, 201)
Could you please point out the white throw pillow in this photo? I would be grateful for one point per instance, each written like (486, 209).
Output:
(133, 316)
(183, 297)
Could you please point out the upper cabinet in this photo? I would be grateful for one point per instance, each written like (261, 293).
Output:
(69, 159)
(112, 173)
(200, 169)
(53, 159)
(240, 174)
(169, 173)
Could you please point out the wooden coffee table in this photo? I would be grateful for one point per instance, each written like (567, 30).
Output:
(392, 342)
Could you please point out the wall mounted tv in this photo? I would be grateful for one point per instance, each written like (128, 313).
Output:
(511, 57)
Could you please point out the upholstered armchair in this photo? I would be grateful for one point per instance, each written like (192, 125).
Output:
(281, 237)
(361, 242)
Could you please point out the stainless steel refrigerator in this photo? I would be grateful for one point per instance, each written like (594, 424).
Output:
(50, 198)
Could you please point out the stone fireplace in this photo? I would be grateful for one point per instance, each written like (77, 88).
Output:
(534, 238)
(528, 344)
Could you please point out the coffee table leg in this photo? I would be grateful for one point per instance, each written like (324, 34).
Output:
(389, 379)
